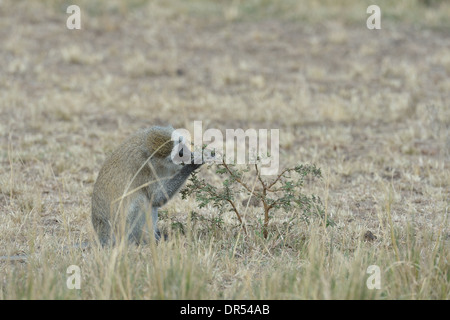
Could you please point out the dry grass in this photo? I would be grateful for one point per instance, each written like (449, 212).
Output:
(371, 108)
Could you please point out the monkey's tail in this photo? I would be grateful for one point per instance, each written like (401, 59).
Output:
(14, 258)
(24, 257)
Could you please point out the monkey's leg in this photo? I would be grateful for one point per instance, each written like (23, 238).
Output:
(156, 232)
(136, 219)
(151, 226)
(103, 229)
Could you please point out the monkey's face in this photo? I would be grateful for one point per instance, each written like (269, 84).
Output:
(181, 154)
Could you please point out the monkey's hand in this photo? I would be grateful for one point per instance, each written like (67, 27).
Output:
(171, 186)
(193, 166)
(196, 162)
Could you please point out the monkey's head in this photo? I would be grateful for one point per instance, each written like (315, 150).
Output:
(166, 152)
(169, 148)
(159, 141)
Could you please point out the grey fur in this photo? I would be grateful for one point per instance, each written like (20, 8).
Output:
(138, 178)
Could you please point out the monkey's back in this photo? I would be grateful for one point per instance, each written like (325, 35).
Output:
(116, 173)
(124, 171)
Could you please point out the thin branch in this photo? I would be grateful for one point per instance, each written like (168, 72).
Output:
(279, 177)
(236, 178)
(237, 214)
(259, 177)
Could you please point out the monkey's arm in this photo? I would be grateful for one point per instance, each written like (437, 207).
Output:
(170, 187)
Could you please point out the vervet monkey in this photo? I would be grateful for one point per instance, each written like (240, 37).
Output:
(139, 177)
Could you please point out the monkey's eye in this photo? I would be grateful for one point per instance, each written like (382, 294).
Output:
(180, 153)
